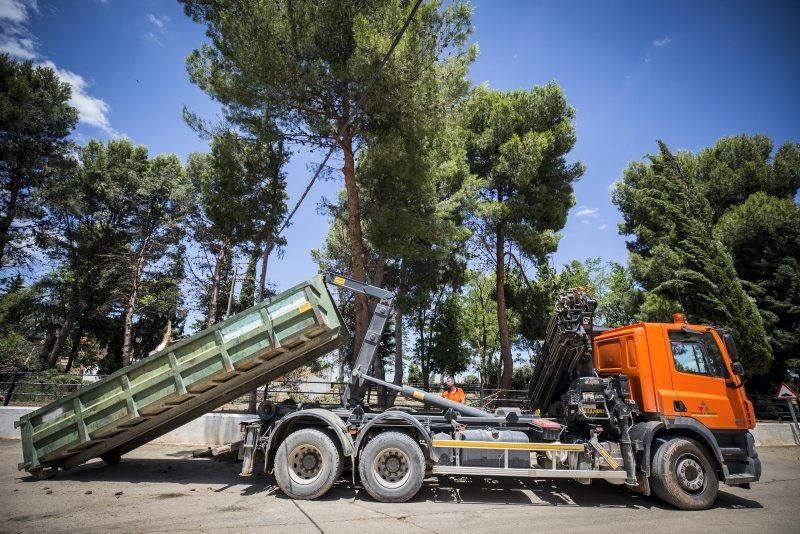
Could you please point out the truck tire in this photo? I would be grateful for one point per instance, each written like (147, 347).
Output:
(392, 467)
(307, 464)
(683, 476)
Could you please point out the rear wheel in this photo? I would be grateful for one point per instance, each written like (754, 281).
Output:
(307, 464)
(392, 467)
(683, 476)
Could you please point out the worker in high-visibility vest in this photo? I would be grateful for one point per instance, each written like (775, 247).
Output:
(453, 392)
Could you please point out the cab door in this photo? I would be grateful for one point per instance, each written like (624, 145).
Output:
(703, 382)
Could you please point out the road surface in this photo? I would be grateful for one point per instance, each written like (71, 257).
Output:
(161, 488)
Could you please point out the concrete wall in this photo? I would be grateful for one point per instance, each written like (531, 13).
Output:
(775, 434)
(221, 428)
(209, 429)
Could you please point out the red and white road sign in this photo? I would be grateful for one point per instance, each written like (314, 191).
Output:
(785, 393)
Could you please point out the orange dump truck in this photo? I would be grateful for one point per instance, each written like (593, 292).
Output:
(657, 407)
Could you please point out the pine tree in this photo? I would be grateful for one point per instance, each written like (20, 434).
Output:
(676, 258)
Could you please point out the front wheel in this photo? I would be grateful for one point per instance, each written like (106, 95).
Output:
(683, 476)
(307, 464)
(392, 467)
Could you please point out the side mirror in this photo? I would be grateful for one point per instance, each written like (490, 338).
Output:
(738, 368)
(730, 345)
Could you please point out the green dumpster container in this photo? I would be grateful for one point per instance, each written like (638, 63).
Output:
(196, 375)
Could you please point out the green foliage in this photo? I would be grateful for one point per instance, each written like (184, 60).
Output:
(738, 166)
(239, 188)
(447, 352)
(611, 284)
(478, 318)
(414, 374)
(35, 122)
(677, 260)
(92, 213)
(240, 201)
(530, 304)
(763, 236)
(303, 65)
(522, 377)
(16, 352)
(517, 143)
(471, 380)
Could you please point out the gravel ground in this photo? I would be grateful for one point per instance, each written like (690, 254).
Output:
(161, 488)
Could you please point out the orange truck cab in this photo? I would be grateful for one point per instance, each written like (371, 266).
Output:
(686, 383)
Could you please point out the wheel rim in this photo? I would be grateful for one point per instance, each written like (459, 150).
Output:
(305, 464)
(392, 468)
(691, 476)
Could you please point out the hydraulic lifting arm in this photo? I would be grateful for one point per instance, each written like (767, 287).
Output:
(355, 388)
(567, 349)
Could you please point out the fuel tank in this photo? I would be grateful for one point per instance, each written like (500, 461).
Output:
(493, 457)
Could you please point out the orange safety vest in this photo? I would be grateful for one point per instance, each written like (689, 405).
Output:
(457, 396)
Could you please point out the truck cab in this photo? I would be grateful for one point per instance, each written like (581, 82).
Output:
(686, 384)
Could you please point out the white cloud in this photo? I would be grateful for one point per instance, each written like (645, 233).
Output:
(15, 37)
(157, 21)
(17, 40)
(91, 110)
(602, 227)
(613, 185)
(159, 24)
(658, 43)
(20, 48)
(151, 37)
(585, 211)
(16, 11)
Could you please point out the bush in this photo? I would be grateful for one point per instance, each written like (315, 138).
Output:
(472, 380)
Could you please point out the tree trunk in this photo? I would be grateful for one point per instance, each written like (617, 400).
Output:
(398, 334)
(74, 312)
(356, 239)
(130, 310)
(423, 360)
(484, 341)
(7, 220)
(230, 293)
(76, 343)
(262, 280)
(378, 366)
(165, 339)
(211, 316)
(247, 296)
(502, 319)
(252, 402)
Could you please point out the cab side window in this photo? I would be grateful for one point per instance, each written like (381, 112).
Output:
(697, 354)
(689, 357)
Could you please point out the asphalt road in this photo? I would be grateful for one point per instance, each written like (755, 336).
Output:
(161, 488)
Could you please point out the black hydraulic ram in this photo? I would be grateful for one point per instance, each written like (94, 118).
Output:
(424, 396)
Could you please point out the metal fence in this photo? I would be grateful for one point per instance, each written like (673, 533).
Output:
(40, 388)
(37, 389)
(768, 408)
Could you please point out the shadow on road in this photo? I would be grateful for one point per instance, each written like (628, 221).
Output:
(223, 475)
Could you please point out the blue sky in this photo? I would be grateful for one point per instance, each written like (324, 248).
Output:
(685, 72)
